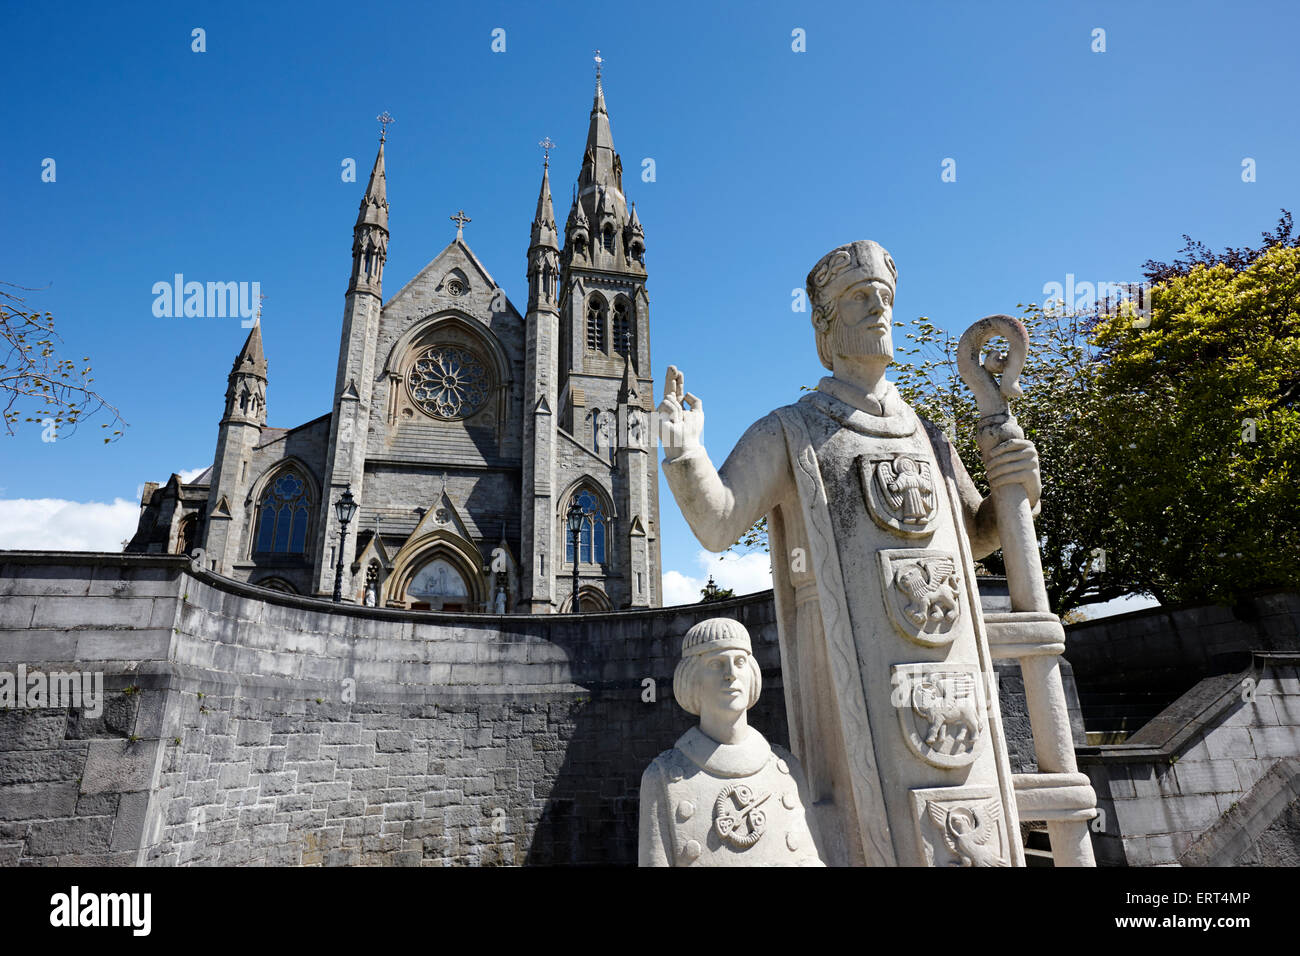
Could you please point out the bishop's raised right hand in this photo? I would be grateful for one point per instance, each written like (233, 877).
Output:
(679, 426)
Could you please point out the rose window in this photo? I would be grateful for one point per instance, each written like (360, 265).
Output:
(448, 382)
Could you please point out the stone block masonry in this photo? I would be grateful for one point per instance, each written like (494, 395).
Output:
(245, 727)
(248, 727)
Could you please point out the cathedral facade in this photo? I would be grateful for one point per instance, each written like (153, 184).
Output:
(464, 429)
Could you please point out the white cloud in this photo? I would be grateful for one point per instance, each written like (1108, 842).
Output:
(744, 574)
(189, 474)
(54, 524)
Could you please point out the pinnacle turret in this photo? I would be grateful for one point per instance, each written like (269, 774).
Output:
(374, 204)
(627, 392)
(544, 247)
(370, 235)
(544, 229)
(246, 384)
(251, 360)
(634, 236)
(578, 228)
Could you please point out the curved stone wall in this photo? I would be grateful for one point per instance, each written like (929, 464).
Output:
(249, 726)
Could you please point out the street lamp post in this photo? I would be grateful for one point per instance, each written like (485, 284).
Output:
(344, 509)
(575, 516)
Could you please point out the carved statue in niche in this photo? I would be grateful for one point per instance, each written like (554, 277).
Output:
(635, 428)
(723, 796)
(604, 425)
(370, 597)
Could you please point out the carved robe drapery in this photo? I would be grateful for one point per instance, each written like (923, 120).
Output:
(889, 686)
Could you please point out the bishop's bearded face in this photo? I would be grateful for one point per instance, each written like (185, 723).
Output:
(864, 317)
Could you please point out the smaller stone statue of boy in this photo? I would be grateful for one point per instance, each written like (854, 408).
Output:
(723, 796)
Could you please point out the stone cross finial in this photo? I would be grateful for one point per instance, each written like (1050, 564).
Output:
(384, 119)
(599, 61)
(460, 219)
(547, 146)
(260, 299)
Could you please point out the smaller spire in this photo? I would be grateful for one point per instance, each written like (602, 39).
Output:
(374, 204)
(544, 230)
(251, 360)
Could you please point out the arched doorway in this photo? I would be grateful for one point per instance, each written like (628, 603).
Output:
(593, 599)
(438, 586)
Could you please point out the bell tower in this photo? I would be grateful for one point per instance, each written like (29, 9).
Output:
(605, 399)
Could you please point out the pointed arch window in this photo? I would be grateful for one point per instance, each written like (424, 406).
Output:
(596, 311)
(187, 533)
(591, 540)
(607, 238)
(624, 328)
(282, 517)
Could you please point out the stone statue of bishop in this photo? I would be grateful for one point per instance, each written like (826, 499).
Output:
(873, 527)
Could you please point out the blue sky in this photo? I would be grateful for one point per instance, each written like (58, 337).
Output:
(225, 166)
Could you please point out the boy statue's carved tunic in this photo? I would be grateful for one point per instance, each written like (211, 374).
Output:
(890, 689)
(710, 804)
(734, 802)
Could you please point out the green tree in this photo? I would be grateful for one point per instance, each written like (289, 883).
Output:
(1206, 471)
(1058, 412)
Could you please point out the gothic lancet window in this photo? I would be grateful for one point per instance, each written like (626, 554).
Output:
(624, 329)
(282, 517)
(607, 238)
(591, 541)
(596, 324)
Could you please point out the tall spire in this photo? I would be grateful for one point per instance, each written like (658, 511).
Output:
(600, 163)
